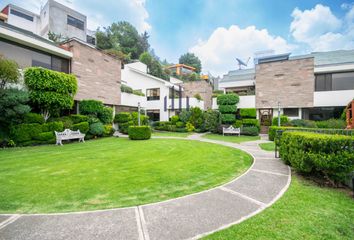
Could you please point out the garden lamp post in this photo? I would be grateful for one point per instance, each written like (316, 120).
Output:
(278, 114)
(138, 113)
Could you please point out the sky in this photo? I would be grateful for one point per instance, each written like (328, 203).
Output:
(219, 31)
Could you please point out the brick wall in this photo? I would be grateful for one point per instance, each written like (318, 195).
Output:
(290, 82)
(98, 75)
(202, 87)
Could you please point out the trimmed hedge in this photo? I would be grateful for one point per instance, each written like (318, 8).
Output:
(106, 115)
(250, 122)
(227, 108)
(90, 107)
(122, 117)
(33, 118)
(78, 118)
(303, 123)
(25, 132)
(284, 121)
(227, 99)
(228, 118)
(248, 112)
(139, 132)
(273, 130)
(84, 127)
(45, 136)
(331, 123)
(331, 156)
(53, 126)
(250, 131)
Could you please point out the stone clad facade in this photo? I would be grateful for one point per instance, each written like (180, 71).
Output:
(291, 82)
(98, 74)
(202, 87)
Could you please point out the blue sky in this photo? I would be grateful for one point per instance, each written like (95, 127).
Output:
(218, 31)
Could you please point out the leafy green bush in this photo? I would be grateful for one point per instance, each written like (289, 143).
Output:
(123, 127)
(144, 120)
(237, 124)
(211, 119)
(273, 130)
(33, 118)
(106, 115)
(180, 124)
(303, 123)
(45, 136)
(90, 107)
(66, 120)
(250, 131)
(284, 121)
(122, 117)
(25, 132)
(174, 119)
(185, 115)
(248, 112)
(53, 126)
(126, 89)
(332, 123)
(138, 93)
(330, 155)
(84, 127)
(227, 108)
(189, 127)
(108, 130)
(78, 118)
(51, 91)
(198, 97)
(250, 122)
(228, 118)
(139, 132)
(227, 99)
(96, 129)
(196, 117)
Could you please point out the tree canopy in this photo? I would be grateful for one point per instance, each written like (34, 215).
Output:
(154, 66)
(191, 60)
(8, 72)
(123, 37)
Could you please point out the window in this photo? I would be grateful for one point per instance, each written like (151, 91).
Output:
(173, 94)
(21, 15)
(291, 112)
(76, 22)
(154, 115)
(323, 82)
(334, 81)
(153, 94)
(60, 64)
(90, 40)
(41, 60)
(322, 113)
(342, 81)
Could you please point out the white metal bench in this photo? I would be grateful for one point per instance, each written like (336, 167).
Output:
(231, 130)
(67, 134)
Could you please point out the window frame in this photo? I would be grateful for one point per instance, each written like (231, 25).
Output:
(73, 21)
(21, 15)
(152, 98)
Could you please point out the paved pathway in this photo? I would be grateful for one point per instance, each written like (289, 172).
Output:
(188, 217)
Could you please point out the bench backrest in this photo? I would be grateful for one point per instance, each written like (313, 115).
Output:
(231, 129)
(67, 132)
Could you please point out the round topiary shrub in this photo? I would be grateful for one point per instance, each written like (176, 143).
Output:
(106, 115)
(83, 127)
(78, 118)
(139, 132)
(228, 99)
(96, 129)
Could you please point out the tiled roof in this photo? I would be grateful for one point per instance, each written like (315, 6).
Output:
(239, 75)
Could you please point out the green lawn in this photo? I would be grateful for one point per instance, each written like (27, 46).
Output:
(233, 138)
(267, 146)
(306, 211)
(171, 134)
(111, 172)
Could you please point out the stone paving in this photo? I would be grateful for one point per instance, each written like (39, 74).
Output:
(188, 217)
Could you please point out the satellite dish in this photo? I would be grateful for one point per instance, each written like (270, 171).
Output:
(241, 63)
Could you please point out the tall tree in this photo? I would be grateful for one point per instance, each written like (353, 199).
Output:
(122, 36)
(191, 60)
(8, 72)
(144, 41)
(154, 66)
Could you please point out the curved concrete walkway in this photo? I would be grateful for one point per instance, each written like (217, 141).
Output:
(188, 217)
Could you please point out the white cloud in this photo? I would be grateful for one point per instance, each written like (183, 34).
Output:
(218, 53)
(321, 30)
(100, 13)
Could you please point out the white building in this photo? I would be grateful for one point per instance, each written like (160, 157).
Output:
(53, 17)
(158, 101)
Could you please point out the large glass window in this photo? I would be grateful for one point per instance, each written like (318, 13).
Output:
(291, 112)
(26, 57)
(153, 94)
(154, 115)
(21, 15)
(322, 113)
(343, 81)
(76, 22)
(334, 81)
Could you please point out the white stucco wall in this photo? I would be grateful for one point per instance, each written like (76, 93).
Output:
(31, 26)
(333, 98)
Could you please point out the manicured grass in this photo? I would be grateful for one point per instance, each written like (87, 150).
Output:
(111, 172)
(171, 134)
(233, 138)
(306, 211)
(267, 146)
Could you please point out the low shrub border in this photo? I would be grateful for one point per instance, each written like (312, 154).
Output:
(331, 156)
(139, 132)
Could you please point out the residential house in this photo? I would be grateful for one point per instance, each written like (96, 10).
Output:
(181, 69)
